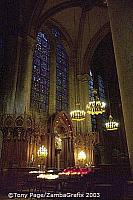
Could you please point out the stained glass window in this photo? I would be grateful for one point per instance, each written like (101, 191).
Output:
(91, 86)
(101, 94)
(61, 78)
(101, 88)
(56, 32)
(62, 72)
(40, 74)
(91, 95)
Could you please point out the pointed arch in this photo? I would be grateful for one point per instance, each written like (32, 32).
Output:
(62, 119)
(93, 45)
(63, 129)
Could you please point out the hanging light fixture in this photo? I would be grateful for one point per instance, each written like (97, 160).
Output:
(77, 114)
(111, 125)
(95, 106)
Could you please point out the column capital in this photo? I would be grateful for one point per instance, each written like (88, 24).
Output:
(83, 77)
(29, 42)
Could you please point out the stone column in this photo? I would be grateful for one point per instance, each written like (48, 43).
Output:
(52, 93)
(121, 20)
(84, 98)
(8, 74)
(23, 91)
(72, 89)
(51, 151)
(9, 53)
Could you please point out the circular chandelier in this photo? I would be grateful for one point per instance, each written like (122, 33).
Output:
(78, 115)
(95, 106)
(111, 125)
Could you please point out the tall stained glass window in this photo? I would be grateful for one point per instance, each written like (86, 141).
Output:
(102, 95)
(61, 78)
(91, 86)
(62, 73)
(40, 74)
(91, 95)
(101, 88)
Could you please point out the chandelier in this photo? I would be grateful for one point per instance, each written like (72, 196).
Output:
(111, 125)
(78, 115)
(95, 106)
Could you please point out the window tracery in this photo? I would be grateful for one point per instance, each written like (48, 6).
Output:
(40, 74)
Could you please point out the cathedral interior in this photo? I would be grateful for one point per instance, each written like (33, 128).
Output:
(66, 88)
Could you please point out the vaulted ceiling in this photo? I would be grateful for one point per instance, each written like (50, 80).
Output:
(81, 20)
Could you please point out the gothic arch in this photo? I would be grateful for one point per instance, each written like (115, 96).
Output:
(37, 19)
(93, 45)
(34, 17)
(63, 129)
(66, 37)
(63, 5)
(63, 120)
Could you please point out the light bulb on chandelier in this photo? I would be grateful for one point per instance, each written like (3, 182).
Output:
(95, 106)
(111, 125)
(77, 114)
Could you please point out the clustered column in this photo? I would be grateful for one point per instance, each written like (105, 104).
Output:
(121, 20)
(22, 101)
(84, 98)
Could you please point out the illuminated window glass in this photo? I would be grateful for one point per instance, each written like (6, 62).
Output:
(62, 72)
(102, 95)
(61, 78)
(91, 86)
(91, 95)
(56, 32)
(101, 88)
(40, 74)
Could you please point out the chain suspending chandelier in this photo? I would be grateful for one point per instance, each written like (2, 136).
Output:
(95, 106)
(77, 114)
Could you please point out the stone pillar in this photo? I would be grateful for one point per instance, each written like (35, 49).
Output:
(22, 100)
(9, 72)
(51, 151)
(9, 53)
(121, 20)
(52, 93)
(84, 98)
(72, 89)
